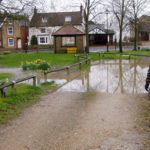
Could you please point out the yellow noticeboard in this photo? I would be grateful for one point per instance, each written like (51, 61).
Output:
(71, 50)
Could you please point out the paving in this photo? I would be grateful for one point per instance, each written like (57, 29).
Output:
(79, 121)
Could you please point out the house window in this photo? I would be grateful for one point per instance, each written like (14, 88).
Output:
(10, 30)
(68, 41)
(44, 20)
(10, 42)
(43, 30)
(68, 19)
(10, 21)
(43, 40)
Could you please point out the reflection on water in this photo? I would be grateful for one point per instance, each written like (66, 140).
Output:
(110, 76)
(115, 76)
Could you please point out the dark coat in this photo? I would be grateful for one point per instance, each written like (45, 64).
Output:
(148, 76)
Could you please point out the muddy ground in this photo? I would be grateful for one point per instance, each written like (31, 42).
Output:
(80, 121)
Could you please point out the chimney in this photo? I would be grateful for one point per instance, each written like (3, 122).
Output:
(35, 10)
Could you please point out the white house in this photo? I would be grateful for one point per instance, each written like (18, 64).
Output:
(43, 25)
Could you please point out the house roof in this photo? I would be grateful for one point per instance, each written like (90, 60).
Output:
(68, 29)
(55, 19)
(100, 27)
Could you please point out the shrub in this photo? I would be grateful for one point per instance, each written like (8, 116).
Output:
(34, 40)
(44, 66)
(6, 52)
(37, 64)
(24, 66)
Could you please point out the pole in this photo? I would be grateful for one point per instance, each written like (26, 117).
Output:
(107, 31)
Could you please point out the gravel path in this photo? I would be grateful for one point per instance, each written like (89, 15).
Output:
(79, 121)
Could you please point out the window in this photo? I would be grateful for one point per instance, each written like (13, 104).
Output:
(10, 30)
(68, 41)
(44, 20)
(10, 21)
(43, 40)
(68, 19)
(43, 30)
(10, 42)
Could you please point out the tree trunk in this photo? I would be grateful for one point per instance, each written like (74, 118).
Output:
(120, 41)
(135, 35)
(87, 38)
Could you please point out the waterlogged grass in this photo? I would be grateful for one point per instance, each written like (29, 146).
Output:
(25, 96)
(95, 56)
(50, 85)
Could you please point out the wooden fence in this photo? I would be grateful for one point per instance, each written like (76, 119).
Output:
(4, 88)
(67, 68)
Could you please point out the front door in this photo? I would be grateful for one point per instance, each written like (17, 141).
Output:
(19, 43)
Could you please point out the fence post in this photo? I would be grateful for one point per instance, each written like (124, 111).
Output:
(45, 76)
(99, 55)
(2, 93)
(129, 56)
(86, 61)
(89, 60)
(68, 70)
(103, 54)
(14, 87)
(34, 81)
(80, 65)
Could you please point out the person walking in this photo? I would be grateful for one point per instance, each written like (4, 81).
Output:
(147, 80)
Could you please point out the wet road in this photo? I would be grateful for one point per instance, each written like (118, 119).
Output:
(79, 121)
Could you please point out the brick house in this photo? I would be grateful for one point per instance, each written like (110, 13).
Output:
(68, 37)
(43, 25)
(14, 34)
(143, 29)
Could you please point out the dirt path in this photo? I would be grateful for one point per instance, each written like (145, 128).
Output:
(79, 121)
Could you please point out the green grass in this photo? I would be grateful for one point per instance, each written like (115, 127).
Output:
(4, 76)
(25, 96)
(95, 56)
(15, 59)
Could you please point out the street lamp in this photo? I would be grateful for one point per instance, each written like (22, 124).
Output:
(107, 30)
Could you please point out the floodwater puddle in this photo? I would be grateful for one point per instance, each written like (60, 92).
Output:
(108, 76)
(111, 76)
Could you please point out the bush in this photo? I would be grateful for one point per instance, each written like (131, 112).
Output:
(6, 52)
(34, 40)
(37, 64)
(44, 66)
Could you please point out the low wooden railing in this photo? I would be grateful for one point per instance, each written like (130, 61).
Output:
(67, 68)
(4, 90)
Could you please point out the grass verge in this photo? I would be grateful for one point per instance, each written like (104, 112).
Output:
(26, 95)
(15, 59)
(4, 76)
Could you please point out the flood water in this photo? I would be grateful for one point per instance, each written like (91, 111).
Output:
(108, 76)
(111, 76)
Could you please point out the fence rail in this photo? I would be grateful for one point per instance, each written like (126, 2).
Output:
(4, 90)
(67, 68)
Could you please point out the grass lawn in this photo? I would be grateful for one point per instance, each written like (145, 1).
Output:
(4, 76)
(15, 59)
(26, 95)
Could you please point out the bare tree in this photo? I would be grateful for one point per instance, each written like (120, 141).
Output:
(91, 11)
(120, 10)
(136, 7)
